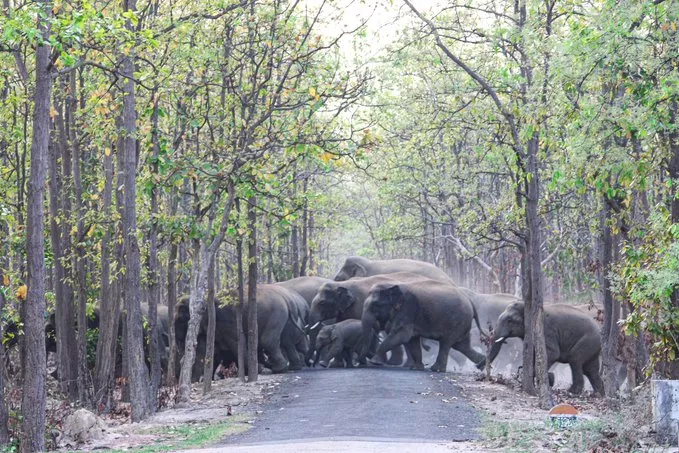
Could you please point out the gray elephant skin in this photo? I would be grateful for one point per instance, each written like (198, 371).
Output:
(571, 337)
(339, 341)
(278, 329)
(421, 309)
(307, 287)
(357, 266)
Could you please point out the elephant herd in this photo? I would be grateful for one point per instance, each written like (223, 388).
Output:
(374, 311)
(385, 313)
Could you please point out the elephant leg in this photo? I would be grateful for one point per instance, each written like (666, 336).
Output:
(295, 360)
(270, 342)
(396, 356)
(578, 379)
(349, 357)
(464, 346)
(591, 370)
(415, 351)
(550, 378)
(442, 358)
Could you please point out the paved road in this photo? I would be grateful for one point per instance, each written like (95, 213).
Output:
(367, 404)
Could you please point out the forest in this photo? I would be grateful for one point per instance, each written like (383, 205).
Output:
(154, 151)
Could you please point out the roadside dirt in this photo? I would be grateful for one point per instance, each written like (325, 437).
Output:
(165, 427)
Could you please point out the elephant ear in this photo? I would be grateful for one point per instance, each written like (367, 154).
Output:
(344, 299)
(403, 303)
(333, 334)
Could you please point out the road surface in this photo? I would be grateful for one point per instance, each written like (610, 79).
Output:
(361, 407)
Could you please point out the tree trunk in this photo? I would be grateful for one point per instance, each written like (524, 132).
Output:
(252, 291)
(153, 268)
(63, 310)
(79, 256)
(610, 331)
(211, 325)
(4, 262)
(201, 262)
(110, 311)
(35, 370)
(140, 386)
(240, 305)
(534, 306)
(170, 377)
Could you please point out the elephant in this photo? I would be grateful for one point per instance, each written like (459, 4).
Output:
(307, 287)
(489, 307)
(358, 266)
(344, 300)
(421, 309)
(339, 341)
(274, 314)
(571, 337)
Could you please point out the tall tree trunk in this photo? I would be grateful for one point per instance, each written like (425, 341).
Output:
(63, 310)
(79, 256)
(154, 274)
(35, 370)
(110, 311)
(138, 378)
(211, 325)
(67, 346)
(534, 316)
(252, 291)
(170, 378)
(201, 262)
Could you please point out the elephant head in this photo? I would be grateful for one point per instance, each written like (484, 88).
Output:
(332, 299)
(509, 324)
(328, 345)
(354, 266)
(387, 307)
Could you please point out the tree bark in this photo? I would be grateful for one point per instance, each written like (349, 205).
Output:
(610, 330)
(35, 370)
(211, 326)
(534, 317)
(153, 268)
(239, 307)
(170, 378)
(110, 308)
(253, 370)
(139, 383)
(4, 262)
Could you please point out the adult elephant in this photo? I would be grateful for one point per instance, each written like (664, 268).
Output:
(421, 309)
(571, 337)
(358, 266)
(273, 316)
(307, 287)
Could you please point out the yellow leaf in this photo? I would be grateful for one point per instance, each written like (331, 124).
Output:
(94, 196)
(312, 91)
(53, 112)
(325, 157)
(91, 231)
(5, 280)
(107, 152)
(21, 292)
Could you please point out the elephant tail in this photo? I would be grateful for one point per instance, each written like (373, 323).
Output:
(484, 335)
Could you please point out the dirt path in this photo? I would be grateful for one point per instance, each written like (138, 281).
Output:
(370, 404)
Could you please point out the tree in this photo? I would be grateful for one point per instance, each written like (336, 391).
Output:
(35, 369)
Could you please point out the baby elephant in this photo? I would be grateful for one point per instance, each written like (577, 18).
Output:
(339, 341)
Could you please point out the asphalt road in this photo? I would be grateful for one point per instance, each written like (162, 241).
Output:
(366, 404)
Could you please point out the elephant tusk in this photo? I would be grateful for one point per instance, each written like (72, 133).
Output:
(306, 327)
(500, 340)
(315, 325)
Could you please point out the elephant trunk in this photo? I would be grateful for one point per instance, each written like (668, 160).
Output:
(368, 324)
(498, 340)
